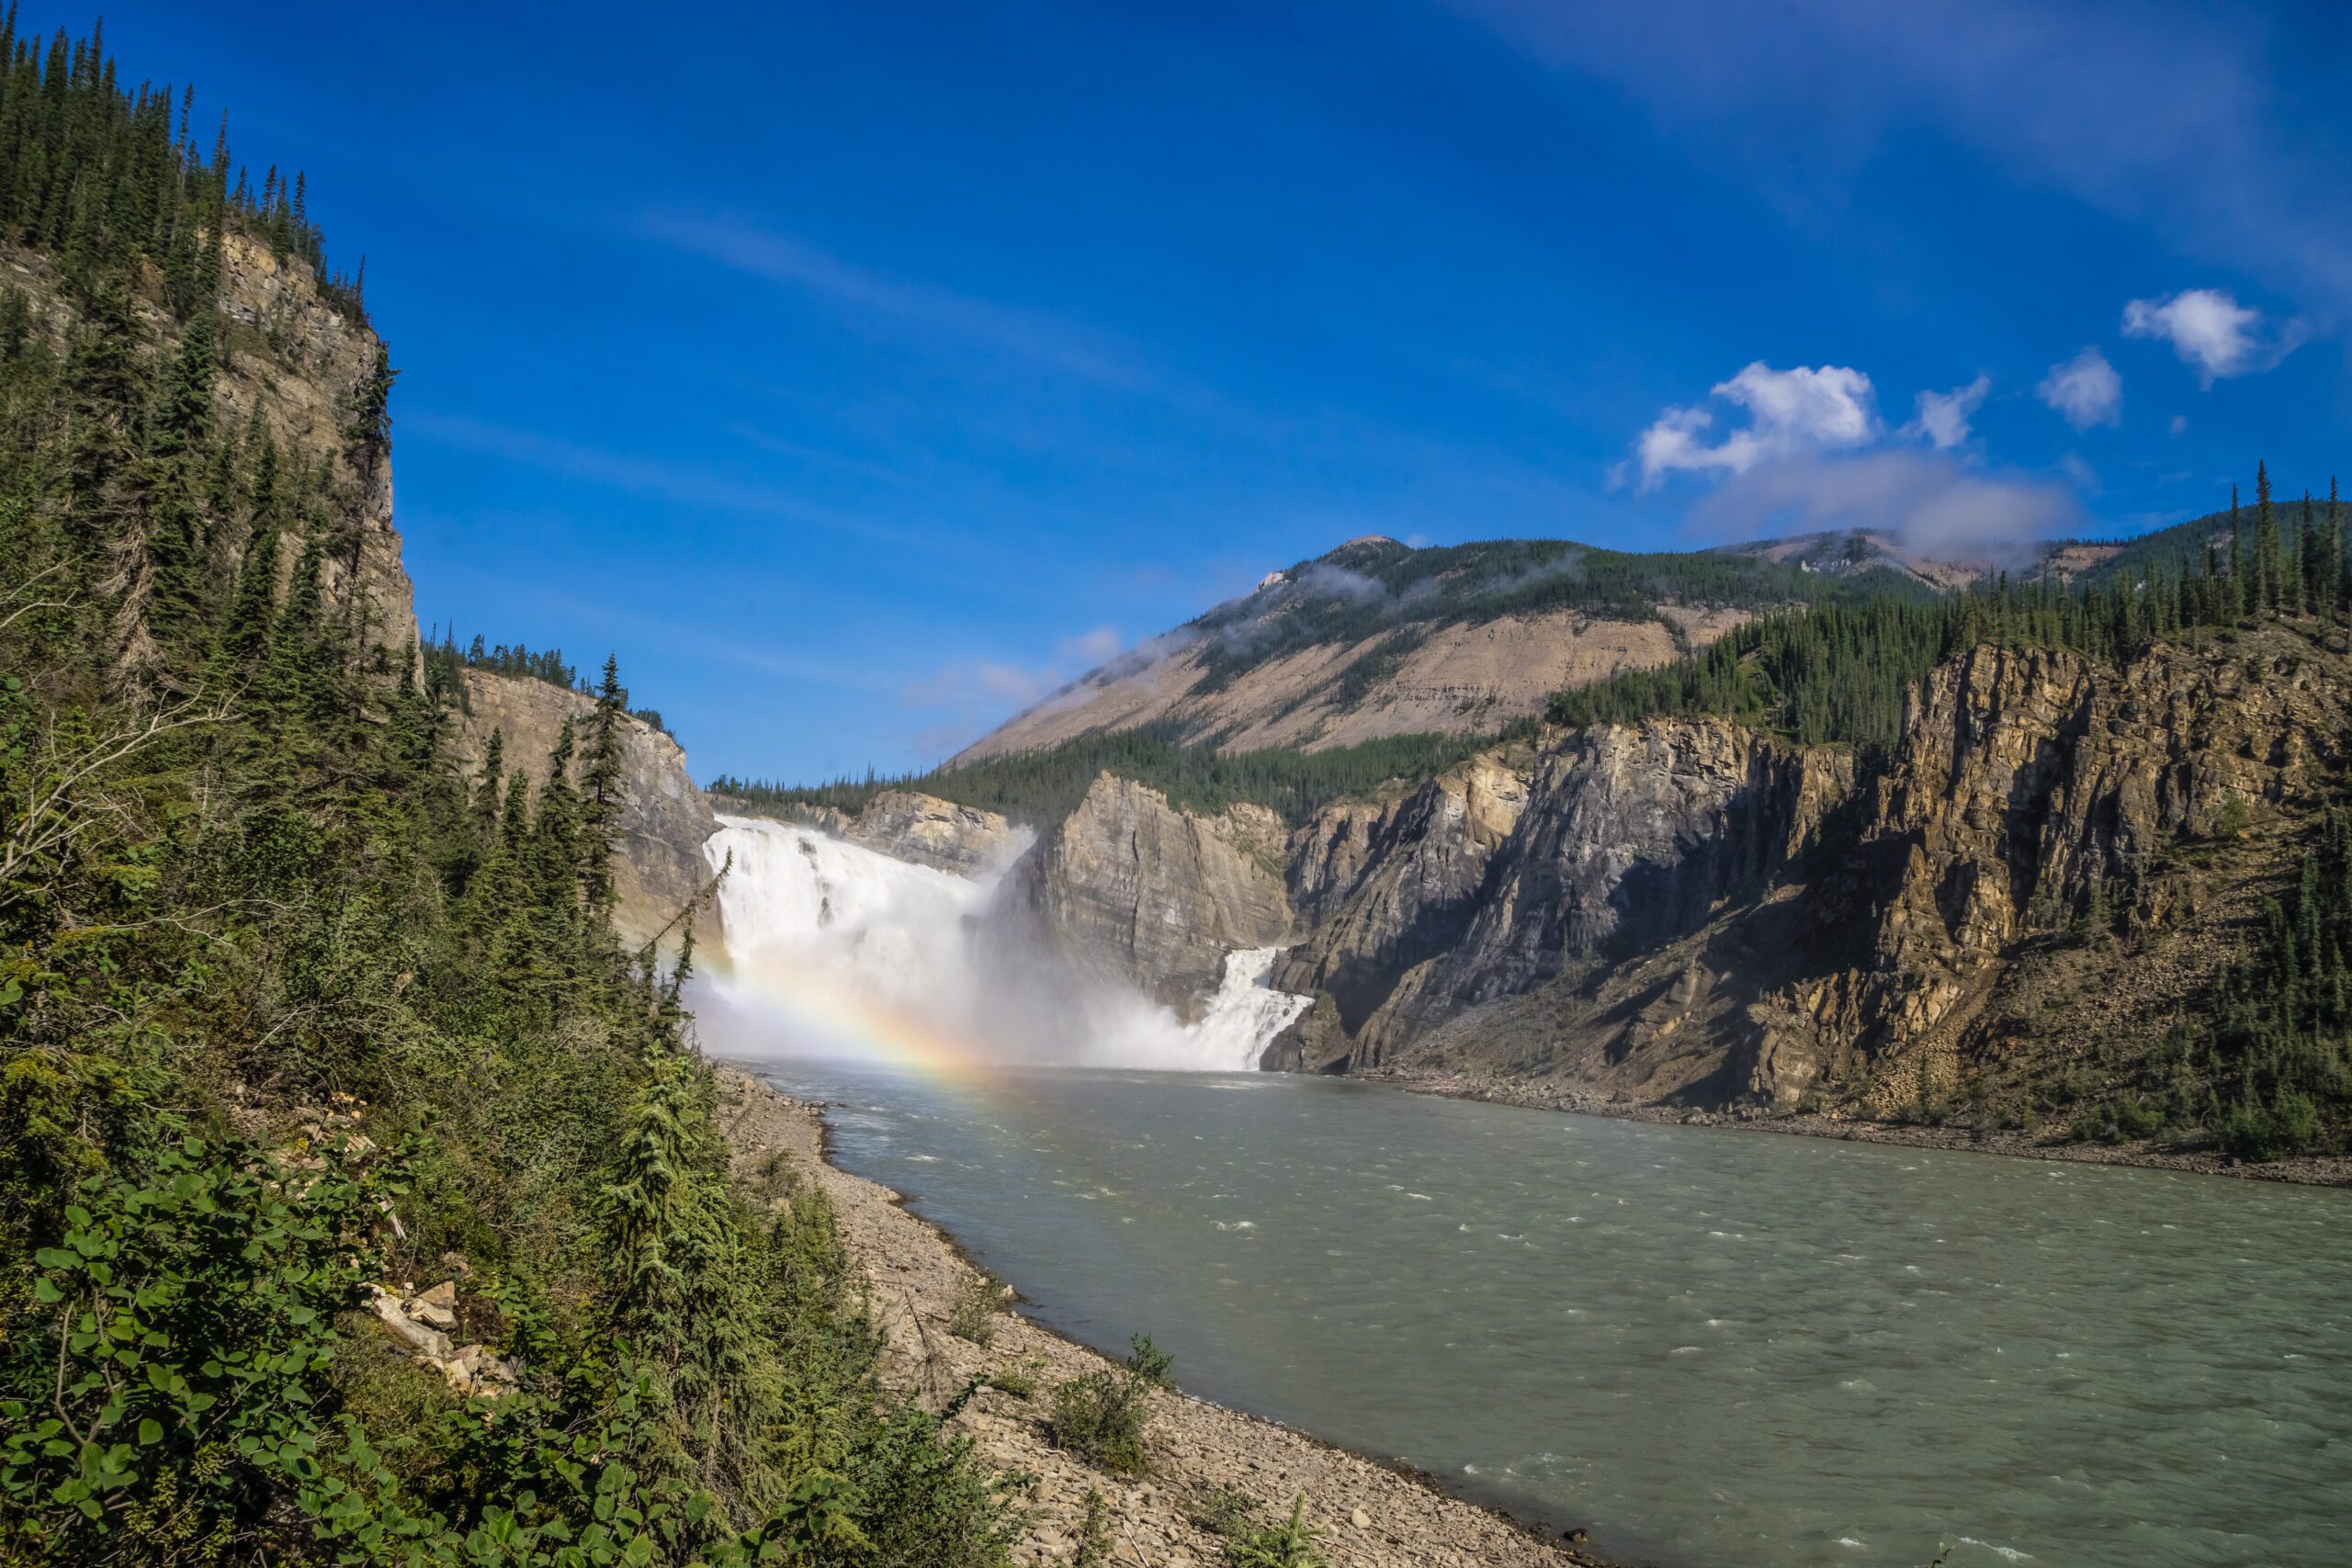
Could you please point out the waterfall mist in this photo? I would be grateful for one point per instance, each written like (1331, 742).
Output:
(835, 949)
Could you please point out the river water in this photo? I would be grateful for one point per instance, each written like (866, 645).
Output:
(1709, 1347)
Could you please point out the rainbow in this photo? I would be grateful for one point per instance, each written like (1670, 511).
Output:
(823, 1014)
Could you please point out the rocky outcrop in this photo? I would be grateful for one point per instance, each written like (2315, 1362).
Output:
(1692, 914)
(1492, 879)
(665, 819)
(1128, 887)
(1387, 890)
(301, 363)
(2033, 791)
(295, 365)
(923, 828)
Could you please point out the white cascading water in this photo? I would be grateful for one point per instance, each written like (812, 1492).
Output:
(833, 947)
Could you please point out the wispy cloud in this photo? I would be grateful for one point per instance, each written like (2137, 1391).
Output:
(1943, 417)
(1934, 503)
(968, 695)
(2086, 389)
(2212, 331)
(683, 483)
(918, 307)
(2158, 111)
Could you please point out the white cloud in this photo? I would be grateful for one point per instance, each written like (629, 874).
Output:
(1943, 417)
(2212, 331)
(2085, 388)
(1805, 409)
(1935, 503)
(2180, 424)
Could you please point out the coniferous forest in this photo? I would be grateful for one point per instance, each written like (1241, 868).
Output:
(288, 1008)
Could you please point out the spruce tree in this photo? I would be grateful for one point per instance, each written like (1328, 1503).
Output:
(2266, 544)
(600, 785)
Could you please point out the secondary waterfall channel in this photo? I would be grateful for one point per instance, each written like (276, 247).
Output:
(835, 949)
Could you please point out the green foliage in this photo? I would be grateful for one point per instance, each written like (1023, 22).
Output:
(1842, 672)
(188, 1313)
(1043, 787)
(1230, 1514)
(1149, 1362)
(1100, 1417)
(248, 906)
(1290, 1545)
(1093, 1549)
(2275, 1044)
(104, 178)
(1019, 1379)
(979, 1297)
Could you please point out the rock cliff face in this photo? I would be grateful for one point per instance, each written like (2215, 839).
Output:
(1128, 887)
(296, 365)
(665, 819)
(923, 828)
(1688, 914)
(2047, 869)
(1492, 880)
(2031, 791)
(302, 364)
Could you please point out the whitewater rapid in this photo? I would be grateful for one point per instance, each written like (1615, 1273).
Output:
(832, 948)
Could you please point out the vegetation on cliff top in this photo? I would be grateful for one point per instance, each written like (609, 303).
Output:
(1042, 787)
(288, 1008)
(1372, 586)
(1840, 672)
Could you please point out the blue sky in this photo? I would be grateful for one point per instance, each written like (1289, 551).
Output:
(857, 372)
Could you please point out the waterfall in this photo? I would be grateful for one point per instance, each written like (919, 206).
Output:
(832, 948)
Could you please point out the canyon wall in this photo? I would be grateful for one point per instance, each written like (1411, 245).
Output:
(2048, 867)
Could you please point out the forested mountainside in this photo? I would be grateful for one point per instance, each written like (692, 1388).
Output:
(360, 1197)
(1375, 640)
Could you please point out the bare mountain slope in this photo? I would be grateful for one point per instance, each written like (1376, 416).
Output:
(1376, 639)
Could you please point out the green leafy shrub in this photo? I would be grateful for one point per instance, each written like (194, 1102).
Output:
(1148, 1361)
(1100, 1419)
(1093, 1549)
(1021, 1379)
(1290, 1545)
(979, 1297)
(1228, 1513)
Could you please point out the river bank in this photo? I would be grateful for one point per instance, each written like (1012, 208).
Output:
(2304, 1170)
(1375, 1515)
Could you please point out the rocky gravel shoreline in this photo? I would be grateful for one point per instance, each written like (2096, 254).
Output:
(2306, 1170)
(1374, 1516)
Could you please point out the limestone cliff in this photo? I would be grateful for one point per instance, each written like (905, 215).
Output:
(296, 366)
(909, 826)
(301, 363)
(665, 819)
(2047, 868)
(1130, 888)
(1492, 880)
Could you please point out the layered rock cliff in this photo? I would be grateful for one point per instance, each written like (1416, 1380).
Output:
(2048, 870)
(1493, 879)
(300, 365)
(910, 826)
(293, 366)
(664, 820)
(1129, 889)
